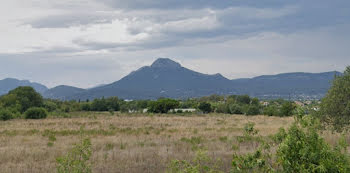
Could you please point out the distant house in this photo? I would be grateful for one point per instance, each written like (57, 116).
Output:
(264, 103)
(316, 108)
(133, 111)
(299, 103)
(144, 110)
(308, 102)
(184, 110)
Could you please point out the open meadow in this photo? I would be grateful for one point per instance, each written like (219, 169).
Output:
(127, 143)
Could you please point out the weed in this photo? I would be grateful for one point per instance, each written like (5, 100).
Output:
(223, 138)
(109, 146)
(77, 160)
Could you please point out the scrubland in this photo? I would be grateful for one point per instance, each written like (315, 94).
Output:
(130, 143)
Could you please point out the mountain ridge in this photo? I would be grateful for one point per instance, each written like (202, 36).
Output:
(9, 84)
(168, 78)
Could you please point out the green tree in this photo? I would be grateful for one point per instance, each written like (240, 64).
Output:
(113, 103)
(255, 101)
(271, 110)
(163, 105)
(243, 99)
(205, 107)
(287, 109)
(253, 110)
(235, 109)
(99, 105)
(335, 106)
(22, 98)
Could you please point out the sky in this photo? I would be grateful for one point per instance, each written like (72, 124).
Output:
(85, 43)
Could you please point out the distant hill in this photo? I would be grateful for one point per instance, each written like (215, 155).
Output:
(164, 78)
(9, 84)
(62, 92)
(167, 78)
(287, 85)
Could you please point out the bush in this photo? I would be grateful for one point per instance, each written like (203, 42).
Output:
(253, 110)
(287, 109)
(36, 113)
(251, 162)
(5, 115)
(76, 161)
(86, 107)
(201, 163)
(205, 107)
(303, 150)
(235, 109)
(271, 110)
(50, 106)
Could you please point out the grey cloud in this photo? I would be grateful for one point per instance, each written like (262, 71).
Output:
(232, 18)
(169, 4)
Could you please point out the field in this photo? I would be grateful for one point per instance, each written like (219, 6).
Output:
(128, 143)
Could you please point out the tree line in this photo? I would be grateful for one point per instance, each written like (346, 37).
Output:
(25, 102)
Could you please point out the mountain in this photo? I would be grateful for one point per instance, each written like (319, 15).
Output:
(9, 84)
(62, 92)
(164, 78)
(167, 78)
(287, 85)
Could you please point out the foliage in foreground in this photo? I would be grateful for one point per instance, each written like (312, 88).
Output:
(303, 150)
(300, 149)
(201, 163)
(77, 160)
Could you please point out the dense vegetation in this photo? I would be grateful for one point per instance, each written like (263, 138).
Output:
(18, 101)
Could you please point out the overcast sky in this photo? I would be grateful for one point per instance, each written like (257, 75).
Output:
(89, 42)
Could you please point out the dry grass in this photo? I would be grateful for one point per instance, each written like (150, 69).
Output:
(126, 143)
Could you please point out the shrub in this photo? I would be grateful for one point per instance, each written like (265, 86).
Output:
(271, 110)
(253, 110)
(86, 107)
(5, 115)
(36, 113)
(235, 109)
(50, 106)
(249, 129)
(179, 111)
(251, 162)
(303, 150)
(77, 160)
(279, 136)
(201, 163)
(287, 109)
(205, 107)
(99, 105)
